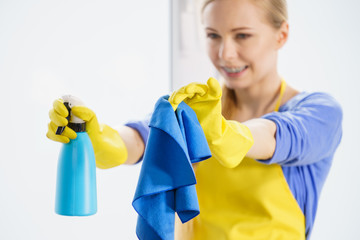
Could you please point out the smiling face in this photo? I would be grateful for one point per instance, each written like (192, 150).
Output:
(241, 42)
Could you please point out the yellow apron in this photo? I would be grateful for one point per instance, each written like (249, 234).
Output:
(251, 201)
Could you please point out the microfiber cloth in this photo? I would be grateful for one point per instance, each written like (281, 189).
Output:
(167, 181)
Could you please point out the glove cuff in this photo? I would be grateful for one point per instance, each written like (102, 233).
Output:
(233, 145)
(109, 147)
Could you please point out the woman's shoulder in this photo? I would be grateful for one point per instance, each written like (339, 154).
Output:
(311, 99)
(315, 105)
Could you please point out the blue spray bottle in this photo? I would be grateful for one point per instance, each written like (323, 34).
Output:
(76, 173)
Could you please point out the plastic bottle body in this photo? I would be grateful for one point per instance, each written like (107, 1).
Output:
(76, 178)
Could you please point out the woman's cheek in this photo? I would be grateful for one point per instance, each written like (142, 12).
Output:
(213, 53)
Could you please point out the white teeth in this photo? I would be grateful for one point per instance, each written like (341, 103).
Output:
(234, 70)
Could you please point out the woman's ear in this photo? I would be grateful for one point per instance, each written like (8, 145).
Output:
(283, 34)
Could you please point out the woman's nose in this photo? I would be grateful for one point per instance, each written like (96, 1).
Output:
(227, 50)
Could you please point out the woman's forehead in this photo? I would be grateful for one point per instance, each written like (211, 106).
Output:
(233, 14)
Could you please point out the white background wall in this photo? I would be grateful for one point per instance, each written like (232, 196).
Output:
(322, 54)
(115, 56)
(112, 54)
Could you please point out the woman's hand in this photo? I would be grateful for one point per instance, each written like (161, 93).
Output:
(58, 118)
(205, 100)
(109, 147)
(197, 93)
(229, 141)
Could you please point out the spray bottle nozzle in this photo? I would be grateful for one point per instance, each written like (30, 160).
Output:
(76, 124)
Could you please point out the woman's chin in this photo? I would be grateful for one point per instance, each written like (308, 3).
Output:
(236, 83)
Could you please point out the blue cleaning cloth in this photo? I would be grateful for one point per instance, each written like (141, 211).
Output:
(167, 181)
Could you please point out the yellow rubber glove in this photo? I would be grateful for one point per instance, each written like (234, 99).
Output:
(109, 148)
(229, 141)
(58, 116)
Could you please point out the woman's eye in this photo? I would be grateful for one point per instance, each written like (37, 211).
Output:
(212, 35)
(242, 36)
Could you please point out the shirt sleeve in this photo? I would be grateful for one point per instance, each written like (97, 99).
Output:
(142, 127)
(307, 132)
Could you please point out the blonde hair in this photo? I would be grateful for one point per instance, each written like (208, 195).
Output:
(276, 13)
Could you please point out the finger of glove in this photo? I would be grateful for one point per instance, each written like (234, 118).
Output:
(68, 132)
(58, 138)
(60, 108)
(196, 88)
(214, 88)
(57, 119)
(87, 115)
(177, 97)
(187, 92)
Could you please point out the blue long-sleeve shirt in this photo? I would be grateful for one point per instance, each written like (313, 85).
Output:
(308, 132)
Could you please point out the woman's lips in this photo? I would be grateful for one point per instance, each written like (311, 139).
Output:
(234, 71)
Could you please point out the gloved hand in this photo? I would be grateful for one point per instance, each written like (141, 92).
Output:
(109, 148)
(229, 141)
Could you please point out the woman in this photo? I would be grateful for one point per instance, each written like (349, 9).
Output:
(294, 134)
